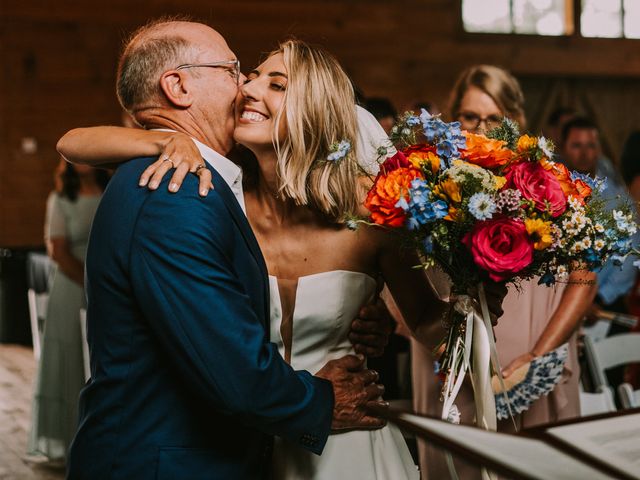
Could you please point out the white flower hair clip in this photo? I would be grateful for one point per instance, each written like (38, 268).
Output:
(339, 150)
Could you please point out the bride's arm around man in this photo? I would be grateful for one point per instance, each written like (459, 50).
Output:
(184, 382)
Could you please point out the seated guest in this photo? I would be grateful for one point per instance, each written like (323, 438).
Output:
(581, 151)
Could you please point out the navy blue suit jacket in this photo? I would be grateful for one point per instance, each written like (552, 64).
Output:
(184, 382)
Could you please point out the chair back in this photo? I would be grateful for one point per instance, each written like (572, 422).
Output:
(598, 330)
(39, 267)
(37, 315)
(610, 352)
(85, 345)
(596, 403)
(629, 398)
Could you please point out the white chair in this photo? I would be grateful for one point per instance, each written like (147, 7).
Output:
(596, 403)
(37, 315)
(85, 344)
(610, 352)
(39, 269)
(597, 331)
(629, 398)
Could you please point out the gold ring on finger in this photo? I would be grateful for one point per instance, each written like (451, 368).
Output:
(168, 159)
(198, 168)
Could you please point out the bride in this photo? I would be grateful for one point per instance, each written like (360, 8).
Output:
(296, 113)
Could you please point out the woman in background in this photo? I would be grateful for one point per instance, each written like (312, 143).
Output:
(536, 319)
(70, 210)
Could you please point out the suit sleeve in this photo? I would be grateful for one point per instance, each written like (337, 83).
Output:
(182, 274)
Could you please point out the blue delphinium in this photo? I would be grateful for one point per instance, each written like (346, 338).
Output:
(591, 256)
(447, 137)
(412, 120)
(482, 206)
(339, 150)
(421, 208)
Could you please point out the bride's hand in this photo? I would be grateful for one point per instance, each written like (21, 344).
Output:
(181, 153)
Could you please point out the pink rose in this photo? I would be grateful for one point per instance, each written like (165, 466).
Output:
(500, 246)
(538, 185)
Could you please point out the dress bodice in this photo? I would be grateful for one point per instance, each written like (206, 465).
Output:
(325, 305)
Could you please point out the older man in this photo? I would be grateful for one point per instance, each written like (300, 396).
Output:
(184, 383)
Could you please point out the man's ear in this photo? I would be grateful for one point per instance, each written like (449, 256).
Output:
(174, 85)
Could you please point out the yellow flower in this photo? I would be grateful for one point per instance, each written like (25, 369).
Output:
(540, 232)
(500, 181)
(425, 159)
(527, 142)
(454, 215)
(448, 189)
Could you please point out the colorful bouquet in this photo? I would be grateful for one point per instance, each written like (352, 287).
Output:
(490, 207)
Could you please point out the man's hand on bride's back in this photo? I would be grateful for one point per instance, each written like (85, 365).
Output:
(355, 391)
(371, 330)
(180, 152)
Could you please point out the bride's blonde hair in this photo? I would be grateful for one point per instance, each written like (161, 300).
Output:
(319, 111)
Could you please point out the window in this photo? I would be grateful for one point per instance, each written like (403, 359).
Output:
(598, 18)
(610, 18)
(538, 17)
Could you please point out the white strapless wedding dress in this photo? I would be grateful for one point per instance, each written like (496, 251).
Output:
(325, 305)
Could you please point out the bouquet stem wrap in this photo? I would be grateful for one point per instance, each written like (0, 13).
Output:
(476, 354)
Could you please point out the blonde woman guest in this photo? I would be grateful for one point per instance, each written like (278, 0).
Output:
(536, 319)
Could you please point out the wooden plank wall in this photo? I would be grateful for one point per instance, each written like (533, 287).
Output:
(58, 63)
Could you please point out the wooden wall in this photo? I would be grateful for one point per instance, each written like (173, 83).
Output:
(58, 62)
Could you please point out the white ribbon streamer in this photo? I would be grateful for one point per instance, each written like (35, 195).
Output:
(479, 354)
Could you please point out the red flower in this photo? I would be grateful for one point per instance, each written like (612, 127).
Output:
(500, 246)
(399, 160)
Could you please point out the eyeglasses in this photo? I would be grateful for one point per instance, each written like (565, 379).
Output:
(232, 66)
(472, 121)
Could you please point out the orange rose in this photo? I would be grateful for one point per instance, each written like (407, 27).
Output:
(584, 190)
(577, 189)
(486, 152)
(385, 193)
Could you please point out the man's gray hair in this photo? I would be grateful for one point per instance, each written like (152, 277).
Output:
(143, 61)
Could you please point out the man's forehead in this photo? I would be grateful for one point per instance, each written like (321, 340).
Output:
(582, 133)
(201, 36)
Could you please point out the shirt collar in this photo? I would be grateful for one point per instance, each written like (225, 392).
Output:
(229, 171)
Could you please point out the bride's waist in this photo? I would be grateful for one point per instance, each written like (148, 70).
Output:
(315, 359)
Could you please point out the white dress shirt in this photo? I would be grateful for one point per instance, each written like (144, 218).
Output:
(229, 171)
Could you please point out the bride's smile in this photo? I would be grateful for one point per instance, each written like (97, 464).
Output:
(259, 105)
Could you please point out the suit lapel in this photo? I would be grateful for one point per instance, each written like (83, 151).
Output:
(242, 223)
